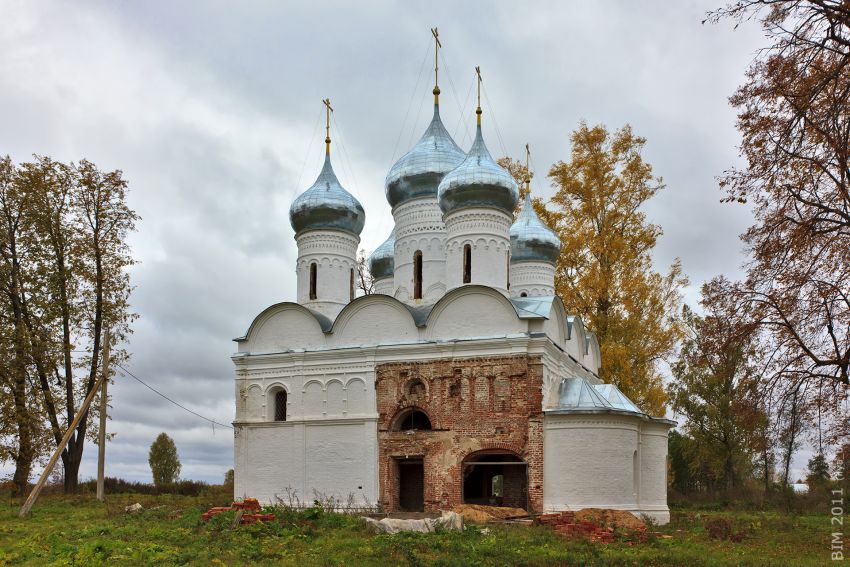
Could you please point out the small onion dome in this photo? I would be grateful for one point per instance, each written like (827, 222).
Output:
(478, 182)
(420, 170)
(382, 260)
(531, 240)
(327, 205)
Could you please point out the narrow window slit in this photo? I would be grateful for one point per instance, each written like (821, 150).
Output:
(417, 275)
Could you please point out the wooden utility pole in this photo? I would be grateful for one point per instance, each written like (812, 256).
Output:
(52, 462)
(101, 438)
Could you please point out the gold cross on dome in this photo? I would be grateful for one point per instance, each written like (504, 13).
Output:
(328, 110)
(478, 110)
(437, 45)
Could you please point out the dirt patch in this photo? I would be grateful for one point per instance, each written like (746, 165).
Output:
(609, 518)
(478, 514)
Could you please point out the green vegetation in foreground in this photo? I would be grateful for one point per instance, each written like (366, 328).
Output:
(81, 531)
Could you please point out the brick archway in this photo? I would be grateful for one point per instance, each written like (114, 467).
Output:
(495, 477)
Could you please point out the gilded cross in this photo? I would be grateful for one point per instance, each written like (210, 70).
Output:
(328, 110)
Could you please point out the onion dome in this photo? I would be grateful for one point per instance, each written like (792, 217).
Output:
(420, 170)
(531, 240)
(327, 205)
(382, 260)
(478, 182)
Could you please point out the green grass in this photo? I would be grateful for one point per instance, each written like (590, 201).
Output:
(81, 531)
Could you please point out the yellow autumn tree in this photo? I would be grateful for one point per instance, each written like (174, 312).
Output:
(605, 273)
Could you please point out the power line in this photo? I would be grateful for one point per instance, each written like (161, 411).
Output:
(309, 148)
(344, 155)
(410, 104)
(462, 115)
(455, 93)
(413, 130)
(496, 124)
(181, 406)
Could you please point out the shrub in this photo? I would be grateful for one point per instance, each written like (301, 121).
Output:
(721, 528)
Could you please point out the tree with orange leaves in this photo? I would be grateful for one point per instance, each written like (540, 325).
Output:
(794, 118)
(716, 376)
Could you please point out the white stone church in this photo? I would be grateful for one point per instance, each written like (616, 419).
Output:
(460, 380)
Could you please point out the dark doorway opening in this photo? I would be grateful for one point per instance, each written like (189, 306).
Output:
(411, 485)
(495, 479)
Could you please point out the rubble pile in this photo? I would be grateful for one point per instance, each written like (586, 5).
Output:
(596, 524)
(247, 512)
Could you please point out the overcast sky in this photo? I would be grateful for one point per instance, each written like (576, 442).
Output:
(211, 110)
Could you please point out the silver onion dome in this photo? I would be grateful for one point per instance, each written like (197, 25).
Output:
(327, 205)
(382, 260)
(478, 182)
(531, 240)
(418, 172)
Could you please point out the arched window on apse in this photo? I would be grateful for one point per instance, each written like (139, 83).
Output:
(280, 405)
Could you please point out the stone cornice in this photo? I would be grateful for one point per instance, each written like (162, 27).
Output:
(362, 360)
(308, 421)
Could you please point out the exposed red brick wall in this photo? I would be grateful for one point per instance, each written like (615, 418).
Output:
(474, 404)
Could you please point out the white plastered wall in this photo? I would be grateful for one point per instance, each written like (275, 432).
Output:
(384, 286)
(307, 459)
(473, 312)
(419, 227)
(486, 231)
(372, 320)
(601, 460)
(653, 470)
(534, 279)
(284, 326)
(327, 445)
(335, 255)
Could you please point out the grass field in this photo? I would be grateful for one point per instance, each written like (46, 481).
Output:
(81, 531)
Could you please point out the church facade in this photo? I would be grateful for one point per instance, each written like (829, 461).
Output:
(460, 380)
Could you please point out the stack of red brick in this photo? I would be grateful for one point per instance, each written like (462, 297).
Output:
(250, 509)
(566, 524)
